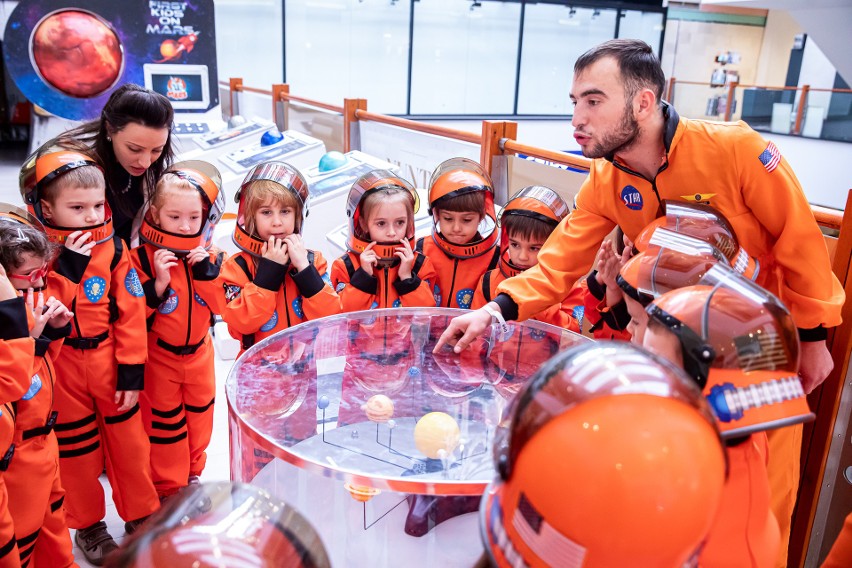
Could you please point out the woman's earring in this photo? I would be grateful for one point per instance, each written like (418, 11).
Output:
(109, 139)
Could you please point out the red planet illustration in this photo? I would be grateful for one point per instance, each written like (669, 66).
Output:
(77, 53)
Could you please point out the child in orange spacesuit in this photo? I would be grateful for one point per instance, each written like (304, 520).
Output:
(36, 508)
(100, 367)
(381, 268)
(463, 244)
(179, 272)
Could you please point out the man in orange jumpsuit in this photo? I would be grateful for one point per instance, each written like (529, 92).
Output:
(649, 154)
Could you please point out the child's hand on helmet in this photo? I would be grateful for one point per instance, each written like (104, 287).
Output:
(298, 252)
(276, 251)
(406, 258)
(164, 260)
(76, 241)
(369, 258)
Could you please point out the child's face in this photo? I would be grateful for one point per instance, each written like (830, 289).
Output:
(664, 343)
(274, 219)
(180, 213)
(523, 252)
(75, 207)
(30, 274)
(638, 320)
(388, 222)
(459, 227)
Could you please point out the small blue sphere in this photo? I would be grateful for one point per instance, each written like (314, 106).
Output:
(322, 403)
(332, 161)
(270, 137)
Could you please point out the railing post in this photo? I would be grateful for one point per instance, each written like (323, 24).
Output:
(280, 106)
(800, 112)
(670, 90)
(729, 100)
(235, 85)
(492, 157)
(351, 131)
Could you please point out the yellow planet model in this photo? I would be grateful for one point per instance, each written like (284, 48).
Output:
(434, 432)
(378, 408)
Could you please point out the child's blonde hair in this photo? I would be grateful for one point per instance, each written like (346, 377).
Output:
(82, 177)
(384, 195)
(261, 192)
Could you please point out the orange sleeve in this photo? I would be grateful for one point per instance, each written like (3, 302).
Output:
(17, 350)
(479, 294)
(840, 555)
(65, 275)
(566, 256)
(147, 283)
(326, 302)
(247, 306)
(423, 295)
(808, 287)
(130, 329)
(566, 314)
(352, 298)
(207, 281)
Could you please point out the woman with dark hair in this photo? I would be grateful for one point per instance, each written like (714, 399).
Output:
(132, 142)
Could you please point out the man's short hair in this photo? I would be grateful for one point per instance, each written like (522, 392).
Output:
(637, 62)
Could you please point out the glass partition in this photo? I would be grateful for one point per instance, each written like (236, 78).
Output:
(349, 48)
(464, 57)
(554, 36)
(647, 26)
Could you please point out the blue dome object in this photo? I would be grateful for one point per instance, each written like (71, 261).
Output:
(270, 137)
(331, 161)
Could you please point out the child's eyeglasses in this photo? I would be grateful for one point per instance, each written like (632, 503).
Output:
(34, 276)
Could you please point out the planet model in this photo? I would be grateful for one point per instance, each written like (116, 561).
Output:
(77, 53)
(361, 493)
(331, 161)
(378, 408)
(436, 433)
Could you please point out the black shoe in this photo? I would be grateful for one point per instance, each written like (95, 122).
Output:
(95, 542)
(131, 527)
(193, 480)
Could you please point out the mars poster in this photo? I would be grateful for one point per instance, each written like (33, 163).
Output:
(69, 57)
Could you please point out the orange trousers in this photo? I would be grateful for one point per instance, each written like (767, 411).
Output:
(9, 557)
(36, 504)
(177, 410)
(91, 432)
(785, 450)
(745, 532)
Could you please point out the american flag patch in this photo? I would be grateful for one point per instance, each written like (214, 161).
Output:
(553, 548)
(770, 158)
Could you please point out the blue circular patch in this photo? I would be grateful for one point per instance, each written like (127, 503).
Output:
(297, 308)
(94, 288)
(273, 321)
(396, 303)
(374, 305)
(132, 283)
(437, 295)
(464, 298)
(631, 197)
(35, 386)
(199, 299)
(414, 372)
(170, 304)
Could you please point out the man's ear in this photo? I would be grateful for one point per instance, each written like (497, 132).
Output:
(645, 103)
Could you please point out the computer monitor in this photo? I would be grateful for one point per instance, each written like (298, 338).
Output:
(186, 86)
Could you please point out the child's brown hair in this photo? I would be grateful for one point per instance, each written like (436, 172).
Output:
(17, 239)
(81, 177)
(384, 195)
(470, 201)
(526, 227)
(261, 192)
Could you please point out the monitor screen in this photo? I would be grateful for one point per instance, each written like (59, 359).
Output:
(186, 86)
